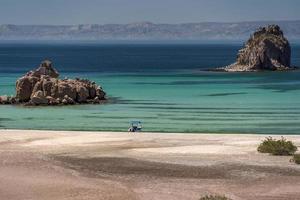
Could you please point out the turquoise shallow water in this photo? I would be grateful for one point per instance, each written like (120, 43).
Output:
(198, 102)
(181, 100)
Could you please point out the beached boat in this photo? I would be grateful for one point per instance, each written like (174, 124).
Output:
(135, 126)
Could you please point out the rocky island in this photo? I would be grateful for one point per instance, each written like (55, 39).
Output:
(43, 87)
(267, 49)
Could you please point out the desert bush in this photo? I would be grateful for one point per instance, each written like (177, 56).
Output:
(214, 197)
(280, 147)
(296, 158)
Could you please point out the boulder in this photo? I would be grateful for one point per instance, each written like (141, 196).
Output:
(24, 87)
(64, 101)
(69, 99)
(267, 49)
(39, 99)
(59, 100)
(4, 99)
(52, 101)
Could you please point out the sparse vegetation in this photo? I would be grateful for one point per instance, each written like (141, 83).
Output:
(296, 159)
(214, 197)
(280, 147)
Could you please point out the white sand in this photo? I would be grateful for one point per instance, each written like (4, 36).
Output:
(110, 165)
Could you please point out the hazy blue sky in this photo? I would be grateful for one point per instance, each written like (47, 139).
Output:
(158, 11)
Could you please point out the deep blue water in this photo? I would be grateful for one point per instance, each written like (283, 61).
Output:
(116, 58)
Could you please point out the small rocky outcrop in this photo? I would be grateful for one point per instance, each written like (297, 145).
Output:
(43, 87)
(267, 49)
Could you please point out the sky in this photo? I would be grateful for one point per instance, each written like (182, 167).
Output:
(57, 12)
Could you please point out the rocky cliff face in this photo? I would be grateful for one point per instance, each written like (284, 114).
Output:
(43, 87)
(267, 49)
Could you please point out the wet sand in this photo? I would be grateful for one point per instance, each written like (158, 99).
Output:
(88, 165)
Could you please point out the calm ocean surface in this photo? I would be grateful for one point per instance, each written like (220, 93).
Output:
(161, 85)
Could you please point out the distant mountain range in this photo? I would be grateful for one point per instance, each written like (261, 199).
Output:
(211, 31)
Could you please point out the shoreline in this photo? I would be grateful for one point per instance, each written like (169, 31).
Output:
(117, 165)
(151, 132)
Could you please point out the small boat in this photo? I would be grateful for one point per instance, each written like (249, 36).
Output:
(135, 126)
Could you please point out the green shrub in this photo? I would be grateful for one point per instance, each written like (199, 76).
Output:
(280, 147)
(214, 197)
(296, 158)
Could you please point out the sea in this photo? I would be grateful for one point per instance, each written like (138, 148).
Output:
(165, 86)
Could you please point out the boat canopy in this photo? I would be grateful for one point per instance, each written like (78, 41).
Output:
(135, 126)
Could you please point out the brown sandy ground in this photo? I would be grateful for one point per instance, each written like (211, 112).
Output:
(44, 165)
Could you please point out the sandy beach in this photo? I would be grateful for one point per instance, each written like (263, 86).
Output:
(101, 165)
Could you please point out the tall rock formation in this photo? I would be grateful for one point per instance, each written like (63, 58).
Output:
(267, 49)
(43, 87)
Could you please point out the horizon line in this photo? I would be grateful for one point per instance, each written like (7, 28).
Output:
(154, 23)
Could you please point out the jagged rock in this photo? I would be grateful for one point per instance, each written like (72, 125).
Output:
(42, 87)
(47, 69)
(267, 49)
